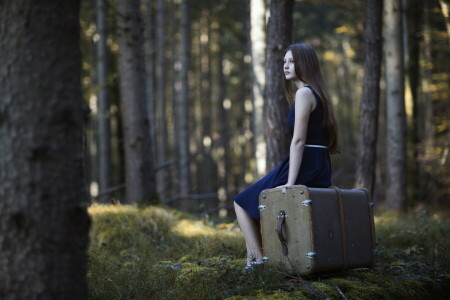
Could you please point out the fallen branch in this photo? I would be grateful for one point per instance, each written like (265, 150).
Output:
(340, 292)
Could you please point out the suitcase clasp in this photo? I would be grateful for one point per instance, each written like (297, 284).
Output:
(371, 204)
(311, 254)
(261, 207)
(280, 216)
(307, 202)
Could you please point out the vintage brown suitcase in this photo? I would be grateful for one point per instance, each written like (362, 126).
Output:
(311, 230)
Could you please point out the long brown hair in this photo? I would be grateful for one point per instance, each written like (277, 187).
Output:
(307, 69)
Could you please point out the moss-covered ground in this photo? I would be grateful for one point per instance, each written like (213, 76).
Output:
(159, 253)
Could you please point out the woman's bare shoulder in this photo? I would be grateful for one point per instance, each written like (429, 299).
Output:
(305, 94)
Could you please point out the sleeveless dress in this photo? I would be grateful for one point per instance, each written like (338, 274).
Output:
(315, 168)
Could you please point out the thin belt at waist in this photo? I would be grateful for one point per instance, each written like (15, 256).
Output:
(316, 146)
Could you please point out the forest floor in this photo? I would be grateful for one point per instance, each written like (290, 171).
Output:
(158, 253)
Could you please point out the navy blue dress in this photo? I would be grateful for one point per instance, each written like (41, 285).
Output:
(315, 169)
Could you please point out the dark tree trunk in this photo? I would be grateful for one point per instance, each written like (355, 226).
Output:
(139, 175)
(183, 103)
(426, 187)
(163, 182)
(368, 118)
(396, 124)
(414, 11)
(279, 35)
(43, 220)
(150, 71)
(104, 129)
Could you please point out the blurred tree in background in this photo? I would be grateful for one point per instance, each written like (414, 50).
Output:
(203, 112)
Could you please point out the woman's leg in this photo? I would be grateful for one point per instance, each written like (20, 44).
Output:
(250, 228)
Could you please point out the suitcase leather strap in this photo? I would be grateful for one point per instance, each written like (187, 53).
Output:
(372, 224)
(343, 229)
(280, 231)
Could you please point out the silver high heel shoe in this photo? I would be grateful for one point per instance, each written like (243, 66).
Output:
(255, 265)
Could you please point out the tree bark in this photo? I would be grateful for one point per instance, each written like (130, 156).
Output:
(43, 220)
(414, 17)
(139, 175)
(396, 125)
(279, 35)
(150, 72)
(368, 117)
(425, 114)
(206, 173)
(161, 99)
(103, 115)
(183, 102)
(258, 48)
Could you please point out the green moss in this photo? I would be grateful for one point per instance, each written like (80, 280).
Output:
(158, 253)
(281, 295)
(326, 291)
(354, 289)
(196, 282)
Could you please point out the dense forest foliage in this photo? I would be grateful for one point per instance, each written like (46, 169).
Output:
(220, 106)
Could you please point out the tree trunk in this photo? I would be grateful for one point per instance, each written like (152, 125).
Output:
(206, 171)
(368, 118)
(258, 48)
(425, 184)
(149, 72)
(224, 163)
(396, 127)
(182, 107)
(161, 100)
(103, 114)
(139, 176)
(279, 32)
(43, 220)
(414, 17)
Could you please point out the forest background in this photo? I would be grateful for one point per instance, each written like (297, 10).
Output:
(207, 139)
(181, 103)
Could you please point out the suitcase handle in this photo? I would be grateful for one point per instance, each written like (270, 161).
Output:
(280, 225)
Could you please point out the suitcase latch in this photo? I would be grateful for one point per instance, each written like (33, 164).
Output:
(261, 207)
(311, 254)
(371, 204)
(280, 216)
(307, 202)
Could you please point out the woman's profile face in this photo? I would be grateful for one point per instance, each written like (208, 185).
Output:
(288, 67)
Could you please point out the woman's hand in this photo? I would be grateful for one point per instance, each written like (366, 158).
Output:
(284, 186)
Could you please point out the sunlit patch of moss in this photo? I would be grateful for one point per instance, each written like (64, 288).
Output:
(158, 253)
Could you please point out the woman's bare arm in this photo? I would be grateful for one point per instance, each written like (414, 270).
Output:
(304, 105)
